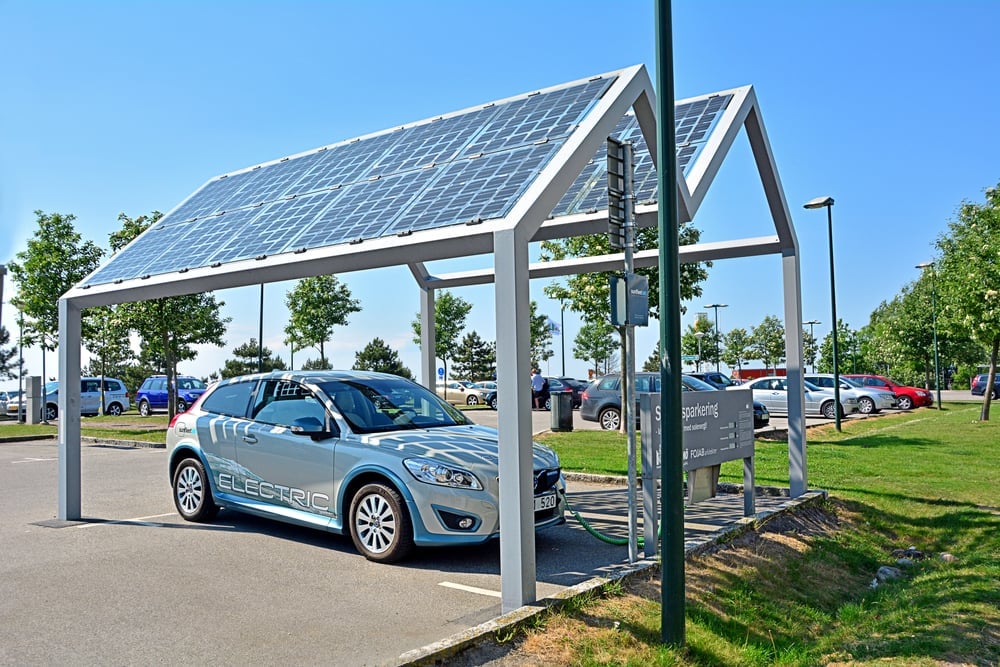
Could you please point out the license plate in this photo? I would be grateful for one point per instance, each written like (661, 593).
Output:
(545, 502)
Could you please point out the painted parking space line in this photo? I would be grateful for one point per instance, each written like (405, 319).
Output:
(138, 521)
(34, 460)
(470, 589)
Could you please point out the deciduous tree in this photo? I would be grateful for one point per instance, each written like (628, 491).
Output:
(315, 306)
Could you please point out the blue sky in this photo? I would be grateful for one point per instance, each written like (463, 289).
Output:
(889, 107)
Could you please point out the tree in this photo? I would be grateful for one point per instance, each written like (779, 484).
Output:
(56, 259)
(450, 312)
(379, 357)
(475, 359)
(541, 336)
(968, 277)
(595, 343)
(317, 365)
(768, 342)
(737, 344)
(652, 363)
(589, 293)
(704, 349)
(169, 328)
(245, 361)
(315, 306)
(8, 356)
(845, 336)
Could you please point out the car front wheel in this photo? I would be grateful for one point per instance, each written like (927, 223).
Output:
(181, 406)
(828, 410)
(610, 419)
(472, 400)
(866, 406)
(192, 495)
(144, 408)
(51, 411)
(380, 525)
(905, 403)
(493, 402)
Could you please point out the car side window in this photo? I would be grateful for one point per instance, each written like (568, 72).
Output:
(91, 386)
(642, 384)
(609, 384)
(281, 402)
(230, 399)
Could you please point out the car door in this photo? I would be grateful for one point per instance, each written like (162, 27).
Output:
(90, 397)
(291, 473)
(773, 393)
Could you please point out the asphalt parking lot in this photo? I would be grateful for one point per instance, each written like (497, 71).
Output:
(135, 584)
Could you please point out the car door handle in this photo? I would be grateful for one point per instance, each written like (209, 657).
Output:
(250, 439)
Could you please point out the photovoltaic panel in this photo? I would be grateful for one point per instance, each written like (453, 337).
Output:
(467, 166)
(693, 122)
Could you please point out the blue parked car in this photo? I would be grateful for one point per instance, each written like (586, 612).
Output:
(152, 395)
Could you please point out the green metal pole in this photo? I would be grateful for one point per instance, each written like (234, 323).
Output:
(937, 370)
(671, 490)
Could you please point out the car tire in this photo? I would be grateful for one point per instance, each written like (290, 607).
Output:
(472, 400)
(51, 412)
(828, 410)
(493, 402)
(144, 408)
(380, 525)
(115, 410)
(905, 403)
(548, 403)
(181, 406)
(192, 494)
(866, 406)
(610, 419)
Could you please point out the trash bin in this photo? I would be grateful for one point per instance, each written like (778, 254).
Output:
(562, 411)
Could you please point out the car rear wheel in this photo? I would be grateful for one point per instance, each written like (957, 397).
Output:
(380, 524)
(866, 406)
(828, 410)
(472, 400)
(610, 419)
(115, 409)
(192, 495)
(493, 402)
(905, 403)
(51, 411)
(144, 408)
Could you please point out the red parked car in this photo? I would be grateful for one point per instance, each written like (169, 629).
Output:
(906, 397)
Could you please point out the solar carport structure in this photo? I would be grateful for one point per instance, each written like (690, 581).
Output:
(486, 180)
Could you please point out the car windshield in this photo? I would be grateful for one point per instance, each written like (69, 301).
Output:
(689, 383)
(378, 405)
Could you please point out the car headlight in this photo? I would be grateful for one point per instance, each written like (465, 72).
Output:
(435, 472)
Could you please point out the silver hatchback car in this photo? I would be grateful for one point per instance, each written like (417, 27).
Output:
(371, 455)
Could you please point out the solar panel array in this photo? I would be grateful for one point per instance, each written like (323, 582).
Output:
(458, 169)
(693, 124)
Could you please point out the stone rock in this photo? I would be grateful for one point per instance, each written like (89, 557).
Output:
(948, 558)
(904, 562)
(887, 573)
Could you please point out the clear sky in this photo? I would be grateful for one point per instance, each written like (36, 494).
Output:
(890, 107)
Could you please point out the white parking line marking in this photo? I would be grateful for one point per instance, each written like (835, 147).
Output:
(470, 589)
(138, 521)
(33, 460)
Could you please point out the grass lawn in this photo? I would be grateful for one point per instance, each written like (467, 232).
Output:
(129, 426)
(797, 591)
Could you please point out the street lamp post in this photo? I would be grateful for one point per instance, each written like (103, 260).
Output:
(718, 333)
(937, 372)
(813, 337)
(827, 202)
(699, 335)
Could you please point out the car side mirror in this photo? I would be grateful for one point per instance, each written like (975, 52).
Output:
(310, 426)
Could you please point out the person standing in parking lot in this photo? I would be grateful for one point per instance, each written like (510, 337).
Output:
(537, 388)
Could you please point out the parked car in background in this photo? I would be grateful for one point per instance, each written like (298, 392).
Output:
(555, 386)
(409, 470)
(116, 399)
(602, 399)
(979, 385)
(460, 391)
(716, 379)
(577, 388)
(152, 394)
(772, 391)
(907, 398)
(871, 400)
(488, 385)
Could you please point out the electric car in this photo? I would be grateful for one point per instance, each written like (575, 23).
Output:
(370, 455)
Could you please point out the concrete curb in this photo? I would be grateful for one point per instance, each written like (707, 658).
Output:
(510, 623)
